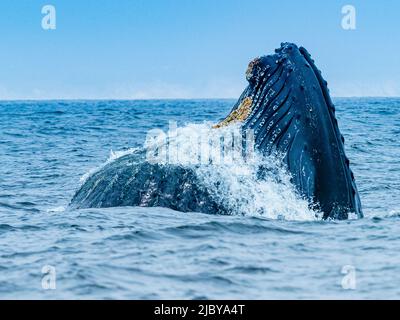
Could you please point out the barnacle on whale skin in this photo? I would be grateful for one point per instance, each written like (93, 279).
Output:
(239, 114)
(250, 68)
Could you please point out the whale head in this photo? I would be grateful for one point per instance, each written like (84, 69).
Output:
(288, 107)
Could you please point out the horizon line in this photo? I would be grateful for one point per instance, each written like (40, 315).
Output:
(166, 98)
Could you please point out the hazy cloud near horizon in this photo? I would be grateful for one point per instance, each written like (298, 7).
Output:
(175, 91)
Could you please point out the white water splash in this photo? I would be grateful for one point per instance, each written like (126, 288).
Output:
(230, 175)
(232, 179)
(56, 209)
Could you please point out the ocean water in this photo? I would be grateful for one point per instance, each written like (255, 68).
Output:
(156, 253)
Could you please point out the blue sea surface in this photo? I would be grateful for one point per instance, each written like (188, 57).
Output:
(157, 253)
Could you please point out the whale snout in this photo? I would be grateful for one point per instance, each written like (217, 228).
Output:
(292, 113)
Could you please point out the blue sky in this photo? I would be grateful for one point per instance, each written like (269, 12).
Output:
(132, 49)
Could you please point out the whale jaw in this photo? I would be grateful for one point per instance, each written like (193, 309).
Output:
(292, 114)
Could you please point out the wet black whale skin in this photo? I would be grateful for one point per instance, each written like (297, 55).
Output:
(291, 113)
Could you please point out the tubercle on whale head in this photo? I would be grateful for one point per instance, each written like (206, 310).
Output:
(260, 67)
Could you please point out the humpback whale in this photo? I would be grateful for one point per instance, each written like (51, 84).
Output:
(288, 108)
